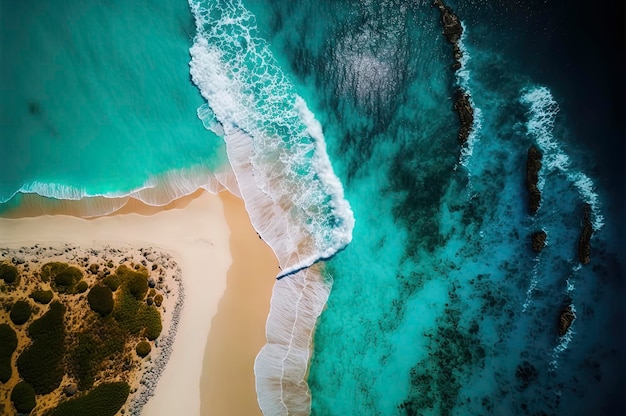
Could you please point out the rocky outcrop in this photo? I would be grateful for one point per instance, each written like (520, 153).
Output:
(464, 109)
(584, 242)
(566, 318)
(533, 165)
(452, 29)
(539, 241)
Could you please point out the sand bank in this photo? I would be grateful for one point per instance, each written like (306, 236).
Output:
(195, 231)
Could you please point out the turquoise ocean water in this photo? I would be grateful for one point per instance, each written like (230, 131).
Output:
(438, 305)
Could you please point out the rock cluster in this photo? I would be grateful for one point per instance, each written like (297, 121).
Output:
(453, 30)
(533, 165)
(584, 243)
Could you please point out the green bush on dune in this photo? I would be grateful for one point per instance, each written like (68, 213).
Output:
(62, 276)
(42, 296)
(81, 287)
(40, 365)
(112, 281)
(143, 348)
(100, 299)
(105, 400)
(23, 397)
(20, 312)
(8, 344)
(8, 273)
(136, 282)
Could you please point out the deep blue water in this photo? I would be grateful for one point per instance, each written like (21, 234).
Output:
(438, 306)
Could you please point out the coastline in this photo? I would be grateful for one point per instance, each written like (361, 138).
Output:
(195, 231)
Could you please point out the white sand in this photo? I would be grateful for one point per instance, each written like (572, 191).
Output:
(198, 237)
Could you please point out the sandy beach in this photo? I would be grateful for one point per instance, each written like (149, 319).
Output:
(227, 275)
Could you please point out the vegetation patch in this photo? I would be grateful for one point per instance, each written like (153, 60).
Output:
(8, 273)
(112, 281)
(42, 296)
(81, 287)
(40, 365)
(105, 400)
(101, 299)
(23, 397)
(8, 344)
(143, 348)
(20, 312)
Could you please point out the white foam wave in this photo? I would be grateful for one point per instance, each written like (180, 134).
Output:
(156, 191)
(277, 152)
(281, 366)
(542, 112)
(275, 145)
(463, 81)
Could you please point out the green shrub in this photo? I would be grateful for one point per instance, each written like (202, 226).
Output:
(20, 312)
(158, 299)
(42, 296)
(136, 317)
(112, 281)
(101, 299)
(102, 341)
(8, 344)
(93, 268)
(8, 273)
(143, 348)
(63, 276)
(135, 281)
(81, 287)
(23, 397)
(105, 400)
(40, 364)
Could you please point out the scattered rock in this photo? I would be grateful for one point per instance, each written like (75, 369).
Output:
(70, 390)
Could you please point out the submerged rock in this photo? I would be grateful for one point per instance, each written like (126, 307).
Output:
(533, 165)
(584, 242)
(566, 318)
(538, 241)
(526, 373)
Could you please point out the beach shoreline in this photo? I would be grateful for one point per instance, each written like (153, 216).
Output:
(195, 231)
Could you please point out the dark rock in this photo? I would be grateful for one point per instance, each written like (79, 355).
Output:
(451, 23)
(151, 283)
(533, 165)
(584, 242)
(70, 390)
(539, 241)
(465, 111)
(566, 318)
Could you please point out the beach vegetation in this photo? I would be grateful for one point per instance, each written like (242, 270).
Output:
(137, 317)
(9, 273)
(62, 276)
(100, 299)
(143, 348)
(81, 287)
(112, 281)
(93, 268)
(20, 312)
(8, 344)
(42, 296)
(23, 397)
(40, 364)
(136, 282)
(105, 400)
(102, 341)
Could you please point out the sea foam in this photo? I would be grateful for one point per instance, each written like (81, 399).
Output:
(542, 112)
(277, 152)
